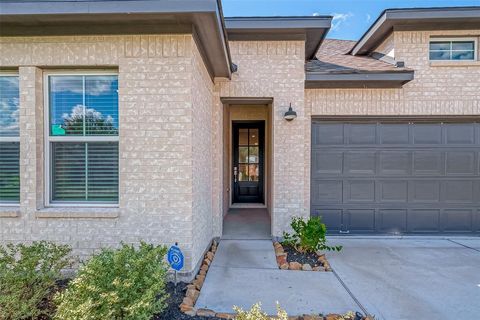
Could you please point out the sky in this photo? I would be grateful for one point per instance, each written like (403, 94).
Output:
(351, 18)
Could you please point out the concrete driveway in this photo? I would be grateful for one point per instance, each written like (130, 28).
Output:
(411, 277)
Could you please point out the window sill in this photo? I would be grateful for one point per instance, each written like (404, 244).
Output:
(454, 63)
(9, 212)
(78, 213)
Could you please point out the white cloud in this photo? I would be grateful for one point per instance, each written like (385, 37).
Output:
(315, 14)
(339, 19)
(369, 17)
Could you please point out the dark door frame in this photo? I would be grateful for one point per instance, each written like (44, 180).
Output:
(260, 124)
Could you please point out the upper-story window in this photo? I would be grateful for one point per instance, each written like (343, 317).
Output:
(83, 138)
(453, 49)
(9, 140)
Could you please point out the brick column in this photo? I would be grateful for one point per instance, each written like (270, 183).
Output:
(31, 139)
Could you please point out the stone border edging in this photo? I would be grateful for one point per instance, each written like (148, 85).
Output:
(283, 264)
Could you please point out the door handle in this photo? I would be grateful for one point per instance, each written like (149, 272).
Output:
(235, 172)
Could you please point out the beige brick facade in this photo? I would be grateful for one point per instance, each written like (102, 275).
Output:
(172, 130)
(161, 81)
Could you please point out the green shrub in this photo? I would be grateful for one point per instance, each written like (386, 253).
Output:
(28, 274)
(127, 283)
(308, 236)
(256, 313)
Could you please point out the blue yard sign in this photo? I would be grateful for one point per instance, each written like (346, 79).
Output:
(175, 258)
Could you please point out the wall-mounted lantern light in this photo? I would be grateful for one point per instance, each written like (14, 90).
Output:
(290, 114)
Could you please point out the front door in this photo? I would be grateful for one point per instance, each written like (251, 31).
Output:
(248, 161)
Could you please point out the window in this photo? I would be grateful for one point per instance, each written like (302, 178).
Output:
(9, 140)
(82, 139)
(453, 49)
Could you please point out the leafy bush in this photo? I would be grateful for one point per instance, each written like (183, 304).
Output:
(308, 236)
(127, 283)
(256, 313)
(28, 275)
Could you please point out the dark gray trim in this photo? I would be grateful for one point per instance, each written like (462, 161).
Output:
(47, 7)
(398, 119)
(200, 17)
(443, 18)
(246, 101)
(358, 80)
(312, 29)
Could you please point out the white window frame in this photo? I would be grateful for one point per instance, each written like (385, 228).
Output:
(48, 139)
(454, 39)
(11, 139)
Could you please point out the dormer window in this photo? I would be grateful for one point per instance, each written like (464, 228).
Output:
(453, 49)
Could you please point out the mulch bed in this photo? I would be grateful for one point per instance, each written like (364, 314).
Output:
(301, 257)
(173, 311)
(289, 258)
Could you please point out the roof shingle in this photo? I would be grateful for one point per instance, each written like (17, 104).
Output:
(333, 57)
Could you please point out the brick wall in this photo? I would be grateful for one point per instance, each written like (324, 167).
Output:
(159, 195)
(202, 96)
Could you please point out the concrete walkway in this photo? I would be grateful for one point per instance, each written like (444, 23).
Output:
(412, 277)
(247, 224)
(245, 272)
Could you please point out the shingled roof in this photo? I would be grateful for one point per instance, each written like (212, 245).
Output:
(333, 57)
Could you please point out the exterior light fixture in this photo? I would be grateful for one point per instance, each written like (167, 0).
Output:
(290, 114)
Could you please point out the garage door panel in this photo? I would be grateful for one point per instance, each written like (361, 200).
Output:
(428, 163)
(394, 163)
(359, 220)
(457, 220)
(425, 191)
(361, 134)
(393, 191)
(396, 177)
(460, 163)
(394, 134)
(359, 191)
(424, 220)
(328, 134)
(428, 134)
(458, 191)
(459, 133)
(328, 191)
(331, 217)
(392, 221)
(327, 163)
(360, 163)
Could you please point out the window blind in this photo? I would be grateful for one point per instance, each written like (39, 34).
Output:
(9, 144)
(85, 171)
(9, 171)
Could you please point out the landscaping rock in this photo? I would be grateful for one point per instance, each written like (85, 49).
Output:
(312, 317)
(210, 255)
(192, 294)
(281, 260)
(205, 313)
(318, 268)
(294, 266)
(187, 302)
(207, 261)
(284, 266)
(307, 267)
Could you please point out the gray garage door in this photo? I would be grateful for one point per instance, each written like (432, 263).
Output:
(376, 177)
